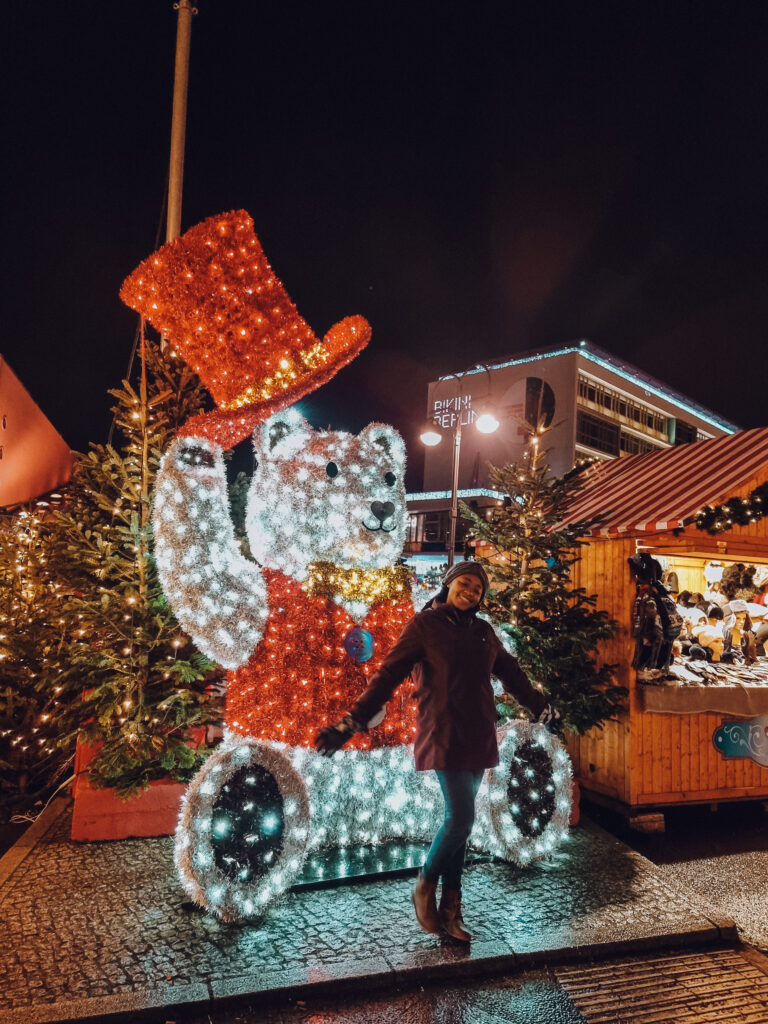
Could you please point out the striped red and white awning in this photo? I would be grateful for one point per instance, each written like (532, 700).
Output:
(664, 490)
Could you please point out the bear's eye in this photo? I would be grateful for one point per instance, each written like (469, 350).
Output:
(390, 479)
(332, 470)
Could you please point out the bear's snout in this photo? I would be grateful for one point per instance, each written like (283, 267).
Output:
(382, 510)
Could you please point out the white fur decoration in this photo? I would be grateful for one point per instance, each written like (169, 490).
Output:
(357, 798)
(496, 816)
(314, 492)
(218, 595)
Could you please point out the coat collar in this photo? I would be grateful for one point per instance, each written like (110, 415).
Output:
(453, 614)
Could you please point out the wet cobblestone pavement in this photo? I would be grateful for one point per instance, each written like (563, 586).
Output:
(718, 859)
(105, 920)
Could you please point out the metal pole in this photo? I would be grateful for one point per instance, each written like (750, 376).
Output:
(179, 117)
(454, 490)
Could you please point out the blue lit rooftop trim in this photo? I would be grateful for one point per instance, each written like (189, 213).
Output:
(608, 362)
(472, 492)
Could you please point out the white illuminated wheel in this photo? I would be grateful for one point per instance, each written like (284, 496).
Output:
(525, 804)
(243, 828)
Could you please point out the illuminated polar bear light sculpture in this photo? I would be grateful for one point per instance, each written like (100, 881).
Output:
(304, 623)
(301, 632)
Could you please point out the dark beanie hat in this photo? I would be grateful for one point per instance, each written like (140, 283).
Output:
(466, 569)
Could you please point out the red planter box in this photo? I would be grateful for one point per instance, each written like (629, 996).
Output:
(103, 814)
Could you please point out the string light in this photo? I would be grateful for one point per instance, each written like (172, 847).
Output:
(302, 626)
(249, 821)
(316, 622)
(734, 511)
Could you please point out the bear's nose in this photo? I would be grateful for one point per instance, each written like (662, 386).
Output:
(382, 510)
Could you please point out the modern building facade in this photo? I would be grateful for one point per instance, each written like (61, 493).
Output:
(593, 405)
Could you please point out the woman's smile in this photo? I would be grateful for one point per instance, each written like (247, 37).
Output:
(465, 591)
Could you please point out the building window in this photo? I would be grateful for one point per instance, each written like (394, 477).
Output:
(415, 530)
(612, 403)
(597, 433)
(685, 433)
(435, 527)
(631, 444)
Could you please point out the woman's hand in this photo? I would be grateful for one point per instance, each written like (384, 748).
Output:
(333, 737)
(550, 718)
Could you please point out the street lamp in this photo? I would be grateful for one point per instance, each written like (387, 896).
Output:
(431, 435)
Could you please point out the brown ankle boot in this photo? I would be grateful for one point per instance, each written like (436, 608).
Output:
(425, 906)
(450, 915)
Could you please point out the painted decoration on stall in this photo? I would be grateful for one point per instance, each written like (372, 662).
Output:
(304, 621)
(746, 738)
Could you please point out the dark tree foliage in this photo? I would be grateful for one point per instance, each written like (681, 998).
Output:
(554, 627)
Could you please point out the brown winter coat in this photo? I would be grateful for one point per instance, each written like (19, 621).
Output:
(451, 655)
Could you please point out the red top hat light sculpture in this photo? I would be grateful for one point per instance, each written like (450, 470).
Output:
(213, 295)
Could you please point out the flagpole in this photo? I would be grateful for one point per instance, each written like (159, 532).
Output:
(179, 117)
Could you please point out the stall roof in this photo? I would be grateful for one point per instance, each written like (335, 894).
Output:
(34, 458)
(664, 490)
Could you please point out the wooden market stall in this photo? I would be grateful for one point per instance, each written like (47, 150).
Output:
(662, 751)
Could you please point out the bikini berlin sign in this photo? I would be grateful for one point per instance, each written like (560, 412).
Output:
(446, 411)
(744, 739)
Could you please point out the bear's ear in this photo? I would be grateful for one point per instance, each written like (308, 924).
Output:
(382, 436)
(282, 435)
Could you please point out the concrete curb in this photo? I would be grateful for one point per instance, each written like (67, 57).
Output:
(26, 843)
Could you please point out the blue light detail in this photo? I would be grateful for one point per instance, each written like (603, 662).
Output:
(270, 824)
(472, 492)
(359, 644)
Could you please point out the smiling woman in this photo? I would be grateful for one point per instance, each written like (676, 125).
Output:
(450, 653)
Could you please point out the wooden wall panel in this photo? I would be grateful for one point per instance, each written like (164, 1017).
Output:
(600, 756)
(667, 779)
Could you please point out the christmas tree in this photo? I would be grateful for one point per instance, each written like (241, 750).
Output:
(140, 684)
(32, 634)
(553, 627)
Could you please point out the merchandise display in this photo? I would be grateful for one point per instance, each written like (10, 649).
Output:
(712, 633)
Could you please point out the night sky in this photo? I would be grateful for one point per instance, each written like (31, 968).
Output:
(476, 180)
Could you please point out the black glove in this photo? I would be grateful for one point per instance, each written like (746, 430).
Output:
(333, 737)
(550, 718)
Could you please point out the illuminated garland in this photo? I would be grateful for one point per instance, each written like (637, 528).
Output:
(733, 512)
(304, 625)
(351, 585)
(253, 814)
(312, 665)
(272, 833)
(316, 494)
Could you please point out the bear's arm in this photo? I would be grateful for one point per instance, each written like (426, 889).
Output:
(218, 595)
(397, 666)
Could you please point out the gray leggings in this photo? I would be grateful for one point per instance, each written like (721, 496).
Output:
(446, 854)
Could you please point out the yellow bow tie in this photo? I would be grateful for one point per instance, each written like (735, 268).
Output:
(325, 579)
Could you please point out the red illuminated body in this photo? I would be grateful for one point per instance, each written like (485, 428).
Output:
(301, 678)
